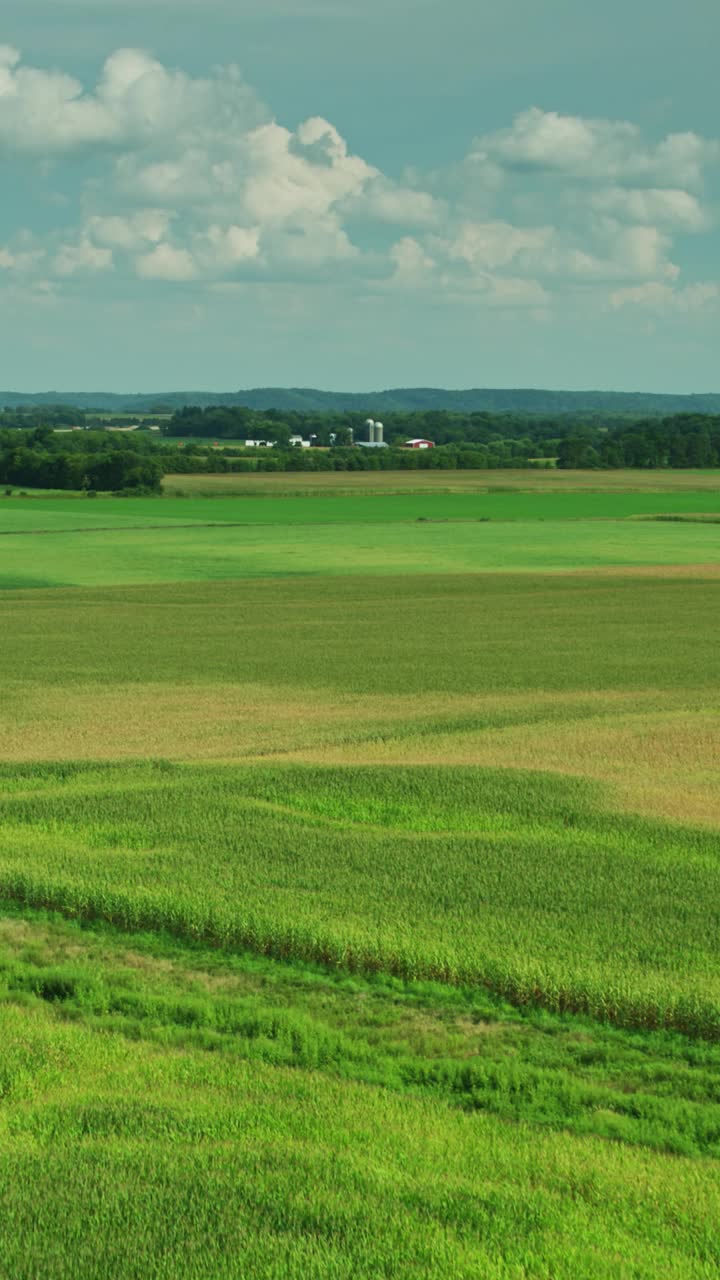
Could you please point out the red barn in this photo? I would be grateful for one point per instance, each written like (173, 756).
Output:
(419, 444)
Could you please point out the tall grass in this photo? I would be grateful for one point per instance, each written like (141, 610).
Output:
(514, 881)
(463, 1045)
(133, 1161)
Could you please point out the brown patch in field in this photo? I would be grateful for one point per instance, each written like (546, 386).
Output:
(146, 963)
(154, 965)
(468, 1027)
(709, 570)
(688, 801)
(186, 722)
(53, 946)
(658, 763)
(46, 942)
(235, 721)
(658, 750)
(16, 933)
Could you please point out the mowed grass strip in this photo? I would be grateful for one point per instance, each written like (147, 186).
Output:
(129, 1160)
(182, 554)
(517, 881)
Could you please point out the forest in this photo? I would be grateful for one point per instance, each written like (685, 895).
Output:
(90, 460)
(683, 440)
(527, 400)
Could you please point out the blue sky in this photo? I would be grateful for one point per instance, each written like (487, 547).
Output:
(228, 193)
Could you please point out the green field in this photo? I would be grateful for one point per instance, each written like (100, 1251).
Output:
(54, 514)
(359, 880)
(92, 542)
(216, 1166)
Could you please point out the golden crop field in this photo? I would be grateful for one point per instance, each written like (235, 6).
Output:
(541, 480)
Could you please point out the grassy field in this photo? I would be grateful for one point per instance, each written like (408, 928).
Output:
(75, 542)
(135, 556)
(224, 1168)
(76, 512)
(509, 880)
(540, 480)
(359, 881)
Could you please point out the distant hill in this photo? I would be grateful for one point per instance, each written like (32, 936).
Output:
(309, 400)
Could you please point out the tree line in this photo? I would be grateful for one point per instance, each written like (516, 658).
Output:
(685, 440)
(101, 460)
(443, 426)
(682, 440)
(90, 461)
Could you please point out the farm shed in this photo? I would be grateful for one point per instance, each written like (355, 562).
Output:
(419, 444)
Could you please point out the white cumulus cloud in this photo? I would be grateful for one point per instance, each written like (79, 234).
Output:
(135, 100)
(660, 206)
(166, 262)
(20, 260)
(84, 256)
(146, 226)
(656, 296)
(487, 245)
(592, 149)
(223, 247)
(190, 179)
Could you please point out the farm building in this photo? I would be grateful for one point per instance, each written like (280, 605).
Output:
(419, 444)
(259, 444)
(375, 435)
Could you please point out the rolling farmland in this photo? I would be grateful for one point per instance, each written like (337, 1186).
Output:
(359, 860)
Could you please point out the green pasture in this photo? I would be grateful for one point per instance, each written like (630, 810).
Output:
(78, 541)
(126, 555)
(78, 512)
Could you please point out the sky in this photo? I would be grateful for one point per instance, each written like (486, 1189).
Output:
(217, 194)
